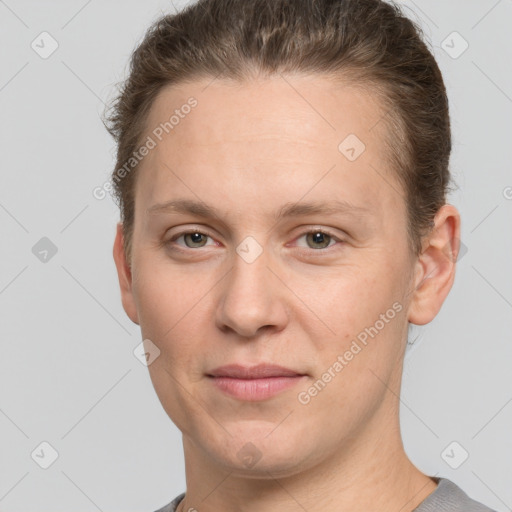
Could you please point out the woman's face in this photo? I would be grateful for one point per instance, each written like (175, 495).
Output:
(323, 291)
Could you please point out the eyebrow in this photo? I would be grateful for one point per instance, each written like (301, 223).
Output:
(188, 206)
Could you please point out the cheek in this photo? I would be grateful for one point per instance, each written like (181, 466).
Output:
(352, 300)
(168, 310)
(365, 316)
(357, 363)
(174, 313)
(166, 296)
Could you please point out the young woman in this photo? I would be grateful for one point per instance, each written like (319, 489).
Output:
(282, 173)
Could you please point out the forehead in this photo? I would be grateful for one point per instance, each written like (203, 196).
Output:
(273, 137)
(298, 108)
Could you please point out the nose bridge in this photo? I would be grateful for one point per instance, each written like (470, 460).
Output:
(250, 299)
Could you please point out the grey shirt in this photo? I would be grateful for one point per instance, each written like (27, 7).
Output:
(448, 497)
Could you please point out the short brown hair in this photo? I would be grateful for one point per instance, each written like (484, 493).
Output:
(367, 42)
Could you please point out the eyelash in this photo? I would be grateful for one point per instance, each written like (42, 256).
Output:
(172, 241)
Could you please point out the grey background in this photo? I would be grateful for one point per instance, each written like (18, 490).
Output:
(68, 375)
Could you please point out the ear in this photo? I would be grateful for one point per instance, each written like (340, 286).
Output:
(125, 276)
(435, 268)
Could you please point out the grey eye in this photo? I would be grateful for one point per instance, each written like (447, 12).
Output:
(318, 239)
(195, 238)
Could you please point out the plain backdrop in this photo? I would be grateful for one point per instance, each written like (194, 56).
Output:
(68, 375)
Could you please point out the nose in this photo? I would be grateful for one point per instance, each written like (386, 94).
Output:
(253, 297)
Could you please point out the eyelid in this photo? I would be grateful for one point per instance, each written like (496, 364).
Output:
(188, 232)
(323, 230)
(172, 240)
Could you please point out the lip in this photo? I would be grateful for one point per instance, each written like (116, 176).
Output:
(260, 371)
(255, 382)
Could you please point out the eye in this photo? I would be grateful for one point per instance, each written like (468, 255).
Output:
(192, 239)
(319, 239)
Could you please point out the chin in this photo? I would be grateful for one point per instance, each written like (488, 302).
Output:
(258, 449)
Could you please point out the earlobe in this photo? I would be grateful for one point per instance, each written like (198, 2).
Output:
(435, 268)
(124, 274)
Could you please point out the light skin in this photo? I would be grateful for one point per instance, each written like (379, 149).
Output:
(248, 150)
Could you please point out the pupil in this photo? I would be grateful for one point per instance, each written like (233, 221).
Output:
(319, 238)
(195, 238)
